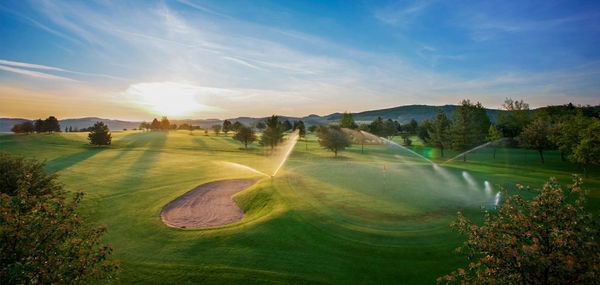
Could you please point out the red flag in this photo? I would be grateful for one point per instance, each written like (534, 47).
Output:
(384, 168)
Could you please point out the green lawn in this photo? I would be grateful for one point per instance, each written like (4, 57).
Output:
(320, 220)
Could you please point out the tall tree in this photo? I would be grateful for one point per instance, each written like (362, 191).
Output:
(439, 131)
(261, 126)
(515, 119)
(165, 124)
(470, 126)
(414, 125)
(227, 126)
(347, 121)
(273, 134)
(301, 128)
(390, 128)
(424, 129)
(51, 124)
(587, 150)
(245, 135)
(39, 126)
(493, 137)
(286, 125)
(100, 134)
(236, 126)
(377, 127)
(216, 129)
(155, 125)
(536, 136)
(333, 138)
(568, 132)
(551, 239)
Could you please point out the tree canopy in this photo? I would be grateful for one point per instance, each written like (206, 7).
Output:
(44, 238)
(25, 127)
(333, 138)
(100, 134)
(439, 131)
(347, 121)
(227, 126)
(273, 134)
(536, 136)
(245, 135)
(550, 239)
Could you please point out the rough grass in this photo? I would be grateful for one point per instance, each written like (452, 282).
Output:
(321, 220)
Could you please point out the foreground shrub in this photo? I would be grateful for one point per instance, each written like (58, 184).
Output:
(550, 239)
(43, 237)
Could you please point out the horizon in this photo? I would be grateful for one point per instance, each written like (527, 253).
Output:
(184, 59)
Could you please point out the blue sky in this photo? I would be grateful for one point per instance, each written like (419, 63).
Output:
(218, 59)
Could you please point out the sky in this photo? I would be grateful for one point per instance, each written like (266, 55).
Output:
(136, 60)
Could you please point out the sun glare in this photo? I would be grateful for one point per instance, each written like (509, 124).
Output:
(168, 98)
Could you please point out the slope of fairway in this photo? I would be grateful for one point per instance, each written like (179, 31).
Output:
(320, 220)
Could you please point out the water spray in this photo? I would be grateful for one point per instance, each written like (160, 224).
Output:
(488, 189)
(293, 139)
(244, 167)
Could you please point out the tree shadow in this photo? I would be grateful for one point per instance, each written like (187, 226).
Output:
(132, 141)
(63, 162)
(145, 162)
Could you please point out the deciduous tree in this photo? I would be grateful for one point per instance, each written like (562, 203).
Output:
(165, 124)
(44, 238)
(216, 129)
(536, 136)
(51, 125)
(23, 128)
(227, 126)
(493, 137)
(587, 150)
(550, 239)
(333, 138)
(347, 121)
(273, 134)
(245, 135)
(439, 131)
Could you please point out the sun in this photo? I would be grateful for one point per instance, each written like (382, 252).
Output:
(167, 98)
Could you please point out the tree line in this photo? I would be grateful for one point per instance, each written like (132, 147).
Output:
(572, 130)
(49, 125)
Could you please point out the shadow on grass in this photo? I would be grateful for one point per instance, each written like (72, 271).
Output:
(133, 141)
(145, 162)
(67, 161)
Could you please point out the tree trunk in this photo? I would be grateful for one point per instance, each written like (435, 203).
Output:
(562, 156)
(442, 151)
(246, 145)
(585, 170)
(541, 155)
(465, 157)
(335, 151)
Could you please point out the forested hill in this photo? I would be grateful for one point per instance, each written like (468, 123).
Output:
(402, 114)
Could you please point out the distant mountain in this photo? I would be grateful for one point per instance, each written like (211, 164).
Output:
(402, 114)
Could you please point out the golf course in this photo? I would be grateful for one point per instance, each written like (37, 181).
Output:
(375, 216)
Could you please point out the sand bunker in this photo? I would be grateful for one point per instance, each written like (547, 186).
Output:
(207, 205)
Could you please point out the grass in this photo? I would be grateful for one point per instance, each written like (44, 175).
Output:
(321, 220)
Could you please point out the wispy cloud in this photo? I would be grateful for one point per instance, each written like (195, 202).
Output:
(400, 13)
(45, 67)
(35, 73)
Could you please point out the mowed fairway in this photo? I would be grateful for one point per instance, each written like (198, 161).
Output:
(320, 220)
